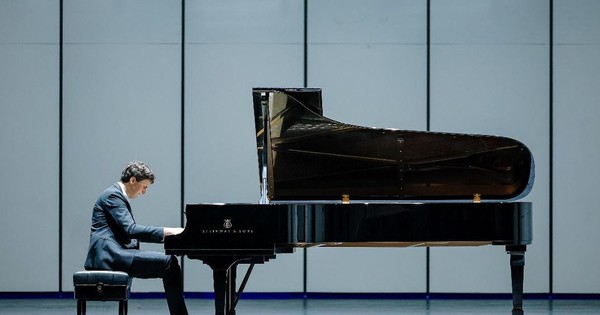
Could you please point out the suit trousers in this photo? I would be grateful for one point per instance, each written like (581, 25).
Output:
(147, 264)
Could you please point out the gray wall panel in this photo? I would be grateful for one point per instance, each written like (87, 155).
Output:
(489, 21)
(372, 270)
(576, 154)
(576, 148)
(576, 22)
(232, 46)
(383, 85)
(121, 102)
(220, 147)
(28, 167)
(370, 59)
(490, 76)
(244, 22)
(114, 21)
(29, 21)
(29, 138)
(367, 22)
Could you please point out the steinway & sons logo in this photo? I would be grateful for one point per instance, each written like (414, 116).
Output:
(227, 229)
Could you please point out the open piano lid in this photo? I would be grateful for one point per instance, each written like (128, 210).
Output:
(303, 155)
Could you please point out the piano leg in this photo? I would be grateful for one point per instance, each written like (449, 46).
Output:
(219, 284)
(224, 274)
(231, 291)
(517, 265)
(224, 286)
(224, 278)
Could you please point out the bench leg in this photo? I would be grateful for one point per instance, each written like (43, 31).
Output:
(80, 307)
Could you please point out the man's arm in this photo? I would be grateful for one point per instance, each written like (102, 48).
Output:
(115, 208)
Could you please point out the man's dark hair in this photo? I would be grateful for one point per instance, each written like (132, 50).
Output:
(139, 170)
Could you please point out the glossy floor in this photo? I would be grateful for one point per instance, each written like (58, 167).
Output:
(309, 307)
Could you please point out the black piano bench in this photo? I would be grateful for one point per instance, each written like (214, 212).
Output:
(101, 285)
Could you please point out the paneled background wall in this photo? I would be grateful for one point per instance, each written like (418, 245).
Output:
(86, 86)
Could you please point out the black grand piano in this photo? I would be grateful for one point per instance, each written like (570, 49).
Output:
(327, 183)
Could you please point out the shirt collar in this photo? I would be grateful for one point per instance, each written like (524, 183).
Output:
(123, 189)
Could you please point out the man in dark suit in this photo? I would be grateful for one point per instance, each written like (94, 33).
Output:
(115, 236)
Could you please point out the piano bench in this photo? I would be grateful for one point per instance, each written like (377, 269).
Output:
(101, 285)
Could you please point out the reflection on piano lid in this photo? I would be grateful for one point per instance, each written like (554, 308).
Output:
(304, 155)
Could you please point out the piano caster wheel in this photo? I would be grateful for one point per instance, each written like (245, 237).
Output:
(518, 312)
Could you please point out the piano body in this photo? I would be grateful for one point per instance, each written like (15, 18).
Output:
(327, 183)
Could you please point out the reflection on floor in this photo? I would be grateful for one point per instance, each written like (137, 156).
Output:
(309, 307)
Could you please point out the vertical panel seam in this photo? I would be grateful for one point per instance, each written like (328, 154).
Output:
(182, 131)
(428, 118)
(60, 145)
(551, 145)
(305, 43)
(304, 250)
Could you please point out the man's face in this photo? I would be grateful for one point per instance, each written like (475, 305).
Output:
(138, 188)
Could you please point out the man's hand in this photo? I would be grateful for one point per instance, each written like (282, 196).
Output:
(172, 231)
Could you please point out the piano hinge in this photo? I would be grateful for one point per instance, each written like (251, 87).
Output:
(477, 198)
(345, 199)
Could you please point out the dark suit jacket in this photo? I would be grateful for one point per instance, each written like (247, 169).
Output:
(114, 239)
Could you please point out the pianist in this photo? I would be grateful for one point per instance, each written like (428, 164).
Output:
(115, 236)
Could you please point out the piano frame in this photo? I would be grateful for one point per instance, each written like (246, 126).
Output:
(213, 234)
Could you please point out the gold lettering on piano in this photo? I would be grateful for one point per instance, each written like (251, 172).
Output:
(228, 229)
(477, 198)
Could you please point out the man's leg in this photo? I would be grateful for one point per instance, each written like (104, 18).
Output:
(158, 265)
(173, 283)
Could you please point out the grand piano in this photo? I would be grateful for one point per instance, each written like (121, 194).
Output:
(328, 183)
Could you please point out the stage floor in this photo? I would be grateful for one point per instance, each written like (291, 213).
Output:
(309, 307)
